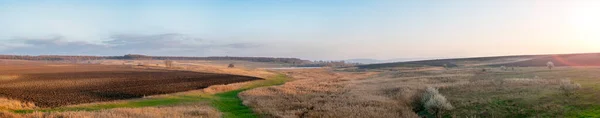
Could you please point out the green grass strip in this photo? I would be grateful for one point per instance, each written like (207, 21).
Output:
(231, 105)
(227, 102)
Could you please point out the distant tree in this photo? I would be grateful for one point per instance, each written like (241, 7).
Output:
(550, 65)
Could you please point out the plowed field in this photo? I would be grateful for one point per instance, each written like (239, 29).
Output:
(56, 85)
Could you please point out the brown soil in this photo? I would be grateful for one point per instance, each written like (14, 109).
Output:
(52, 86)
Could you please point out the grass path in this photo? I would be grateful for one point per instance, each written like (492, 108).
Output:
(231, 105)
(227, 102)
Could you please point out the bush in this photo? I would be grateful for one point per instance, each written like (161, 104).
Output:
(568, 87)
(550, 65)
(434, 102)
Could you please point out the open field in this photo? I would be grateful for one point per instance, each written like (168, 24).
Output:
(49, 85)
(524, 92)
(325, 93)
(213, 102)
(396, 91)
(176, 111)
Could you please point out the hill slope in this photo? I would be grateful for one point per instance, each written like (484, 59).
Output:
(583, 59)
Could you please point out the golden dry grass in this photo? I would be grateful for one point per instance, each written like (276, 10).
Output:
(7, 114)
(398, 93)
(179, 111)
(8, 77)
(8, 104)
(323, 93)
(198, 66)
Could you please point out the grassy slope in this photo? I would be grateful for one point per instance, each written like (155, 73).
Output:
(533, 102)
(585, 102)
(227, 102)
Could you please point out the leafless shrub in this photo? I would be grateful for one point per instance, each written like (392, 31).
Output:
(550, 65)
(435, 102)
(568, 87)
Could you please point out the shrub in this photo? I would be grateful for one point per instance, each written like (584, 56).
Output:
(434, 102)
(550, 65)
(568, 87)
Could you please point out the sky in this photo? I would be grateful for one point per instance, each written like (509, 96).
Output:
(307, 29)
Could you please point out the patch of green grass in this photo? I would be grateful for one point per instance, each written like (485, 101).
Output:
(275, 80)
(502, 99)
(231, 105)
(527, 100)
(589, 112)
(227, 102)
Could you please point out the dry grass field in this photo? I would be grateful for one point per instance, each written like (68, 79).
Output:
(201, 110)
(15, 104)
(324, 93)
(467, 92)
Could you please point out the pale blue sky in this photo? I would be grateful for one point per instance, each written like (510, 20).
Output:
(310, 29)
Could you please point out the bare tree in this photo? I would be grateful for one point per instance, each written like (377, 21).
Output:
(550, 65)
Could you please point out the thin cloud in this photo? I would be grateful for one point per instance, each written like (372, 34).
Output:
(159, 44)
(243, 45)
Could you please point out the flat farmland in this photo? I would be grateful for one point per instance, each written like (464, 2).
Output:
(53, 85)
